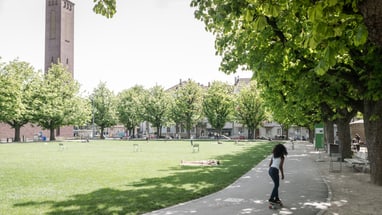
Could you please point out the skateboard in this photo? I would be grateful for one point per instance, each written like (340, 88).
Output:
(275, 205)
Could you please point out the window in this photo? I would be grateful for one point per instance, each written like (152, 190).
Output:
(52, 26)
(67, 27)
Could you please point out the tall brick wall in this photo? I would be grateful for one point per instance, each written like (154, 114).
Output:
(29, 131)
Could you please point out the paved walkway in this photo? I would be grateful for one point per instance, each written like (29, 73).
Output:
(303, 191)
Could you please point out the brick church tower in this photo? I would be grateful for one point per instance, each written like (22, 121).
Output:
(59, 47)
(59, 41)
(59, 33)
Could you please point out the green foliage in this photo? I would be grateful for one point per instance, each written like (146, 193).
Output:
(106, 8)
(187, 106)
(55, 101)
(157, 103)
(18, 80)
(218, 104)
(104, 107)
(256, 28)
(250, 110)
(50, 101)
(361, 35)
(130, 107)
(304, 56)
(81, 111)
(314, 59)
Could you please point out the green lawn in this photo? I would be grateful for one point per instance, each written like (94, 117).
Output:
(108, 177)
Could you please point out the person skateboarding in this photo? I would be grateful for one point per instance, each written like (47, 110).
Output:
(275, 166)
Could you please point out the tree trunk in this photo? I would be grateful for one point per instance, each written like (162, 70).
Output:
(102, 136)
(251, 133)
(373, 128)
(372, 14)
(127, 131)
(311, 135)
(52, 135)
(329, 132)
(286, 132)
(17, 133)
(219, 133)
(343, 129)
(158, 131)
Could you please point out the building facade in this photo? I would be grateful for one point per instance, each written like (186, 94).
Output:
(234, 130)
(59, 34)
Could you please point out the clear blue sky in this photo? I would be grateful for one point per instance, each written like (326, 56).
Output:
(148, 42)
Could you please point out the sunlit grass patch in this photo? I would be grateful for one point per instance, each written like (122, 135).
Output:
(109, 177)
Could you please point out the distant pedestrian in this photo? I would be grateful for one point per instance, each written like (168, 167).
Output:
(358, 138)
(275, 166)
(357, 142)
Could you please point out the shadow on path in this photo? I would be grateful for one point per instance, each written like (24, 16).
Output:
(303, 191)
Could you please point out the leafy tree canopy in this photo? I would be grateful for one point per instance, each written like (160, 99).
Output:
(187, 105)
(130, 107)
(250, 109)
(218, 104)
(18, 80)
(157, 105)
(104, 104)
(55, 100)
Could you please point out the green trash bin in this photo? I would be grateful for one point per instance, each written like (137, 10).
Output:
(319, 136)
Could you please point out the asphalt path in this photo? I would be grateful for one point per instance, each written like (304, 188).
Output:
(303, 191)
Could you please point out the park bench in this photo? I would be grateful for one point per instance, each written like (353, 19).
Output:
(359, 160)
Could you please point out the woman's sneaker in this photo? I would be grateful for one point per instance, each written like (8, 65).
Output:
(278, 201)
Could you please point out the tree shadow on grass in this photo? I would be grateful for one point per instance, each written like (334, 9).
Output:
(154, 193)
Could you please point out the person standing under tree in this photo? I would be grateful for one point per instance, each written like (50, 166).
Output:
(275, 166)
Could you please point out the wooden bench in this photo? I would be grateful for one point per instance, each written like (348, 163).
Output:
(359, 160)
